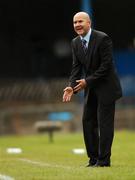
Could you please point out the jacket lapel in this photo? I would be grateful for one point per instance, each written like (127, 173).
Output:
(85, 58)
(80, 50)
(91, 46)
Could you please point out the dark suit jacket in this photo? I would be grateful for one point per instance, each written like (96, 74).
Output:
(96, 66)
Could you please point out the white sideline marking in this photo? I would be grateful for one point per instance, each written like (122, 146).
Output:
(43, 164)
(5, 177)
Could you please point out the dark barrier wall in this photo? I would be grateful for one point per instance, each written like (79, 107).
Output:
(117, 19)
(125, 62)
(35, 37)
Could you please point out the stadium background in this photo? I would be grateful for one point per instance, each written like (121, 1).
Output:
(35, 58)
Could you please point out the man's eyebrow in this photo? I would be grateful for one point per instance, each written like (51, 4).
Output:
(78, 21)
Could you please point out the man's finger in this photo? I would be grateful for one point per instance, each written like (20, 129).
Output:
(65, 89)
(77, 89)
(77, 86)
(78, 80)
(67, 98)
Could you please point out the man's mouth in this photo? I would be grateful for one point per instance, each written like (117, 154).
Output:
(79, 28)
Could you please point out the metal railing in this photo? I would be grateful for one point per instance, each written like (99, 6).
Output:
(31, 90)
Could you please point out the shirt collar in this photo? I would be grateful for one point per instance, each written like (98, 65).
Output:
(87, 36)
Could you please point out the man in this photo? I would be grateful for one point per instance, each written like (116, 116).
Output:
(101, 88)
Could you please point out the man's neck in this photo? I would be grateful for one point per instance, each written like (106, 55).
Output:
(87, 36)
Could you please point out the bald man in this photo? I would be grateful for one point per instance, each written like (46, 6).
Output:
(92, 55)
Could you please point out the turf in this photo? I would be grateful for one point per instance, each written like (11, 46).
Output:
(42, 160)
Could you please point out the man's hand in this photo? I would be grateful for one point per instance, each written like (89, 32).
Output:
(68, 92)
(81, 85)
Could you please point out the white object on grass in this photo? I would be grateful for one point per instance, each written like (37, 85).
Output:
(14, 150)
(5, 177)
(78, 151)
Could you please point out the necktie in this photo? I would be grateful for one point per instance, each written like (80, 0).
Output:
(84, 45)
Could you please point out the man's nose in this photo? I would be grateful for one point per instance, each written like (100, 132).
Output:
(77, 24)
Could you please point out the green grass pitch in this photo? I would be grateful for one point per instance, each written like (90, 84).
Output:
(42, 160)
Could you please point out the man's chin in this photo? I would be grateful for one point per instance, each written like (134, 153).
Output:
(80, 33)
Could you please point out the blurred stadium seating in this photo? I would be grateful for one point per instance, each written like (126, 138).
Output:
(36, 60)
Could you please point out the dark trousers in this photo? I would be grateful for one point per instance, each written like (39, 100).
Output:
(98, 129)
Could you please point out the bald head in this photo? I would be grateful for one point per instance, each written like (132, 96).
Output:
(83, 15)
(81, 23)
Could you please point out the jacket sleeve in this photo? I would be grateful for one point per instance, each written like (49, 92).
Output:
(76, 70)
(105, 56)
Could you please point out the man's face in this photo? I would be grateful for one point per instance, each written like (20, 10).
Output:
(81, 24)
